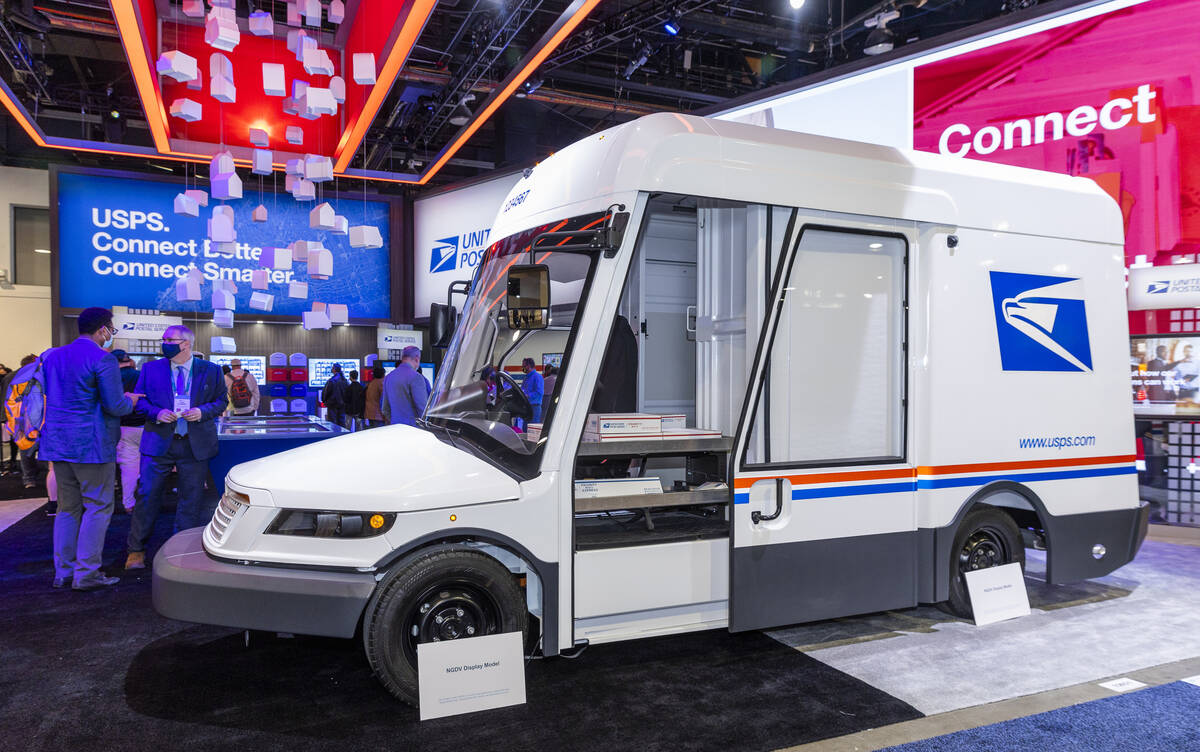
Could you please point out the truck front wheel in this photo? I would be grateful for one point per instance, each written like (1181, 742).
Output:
(444, 593)
(986, 538)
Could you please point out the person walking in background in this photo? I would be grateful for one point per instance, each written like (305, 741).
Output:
(242, 388)
(84, 402)
(356, 398)
(184, 396)
(333, 395)
(534, 388)
(549, 381)
(405, 390)
(29, 457)
(373, 397)
(129, 455)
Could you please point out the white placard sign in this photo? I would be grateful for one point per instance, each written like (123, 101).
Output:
(398, 339)
(141, 326)
(451, 232)
(997, 594)
(463, 676)
(1173, 286)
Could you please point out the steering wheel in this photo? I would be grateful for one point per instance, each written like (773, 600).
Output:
(513, 398)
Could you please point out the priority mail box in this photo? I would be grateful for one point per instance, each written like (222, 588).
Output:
(670, 422)
(609, 487)
(624, 425)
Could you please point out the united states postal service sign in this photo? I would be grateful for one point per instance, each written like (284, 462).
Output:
(477, 673)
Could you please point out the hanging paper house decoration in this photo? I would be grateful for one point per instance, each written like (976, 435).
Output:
(223, 299)
(276, 258)
(226, 186)
(320, 263)
(259, 137)
(260, 163)
(304, 43)
(301, 249)
(222, 346)
(293, 14)
(315, 320)
(221, 29)
(220, 226)
(318, 102)
(337, 12)
(363, 65)
(177, 65)
(222, 3)
(226, 284)
(259, 279)
(295, 135)
(197, 83)
(225, 248)
(318, 169)
(317, 62)
(274, 80)
(186, 110)
(365, 236)
(259, 214)
(290, 106)
(221, 164)
(311, 10)
(319, 307)
(289, 183)
(219, 66)
(193, 8)
(293, 39)
(341, 225)
(185, 204)
(337, 87)
(187, 287)
(298, 290)
(222, 90)
(338, 313)
(197, 195)
(321, 217)
(294, 167)
(223, 318)
(261, 24)
(261, 301)
(220, 75)
(304, 190)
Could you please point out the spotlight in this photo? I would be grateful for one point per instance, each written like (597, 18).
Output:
(637, 62)
(672, 25)
(462, 114)
(796, 4)
(116, 114)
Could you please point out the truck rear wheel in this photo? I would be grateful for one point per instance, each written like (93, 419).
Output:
(444, 593)
(986, 538)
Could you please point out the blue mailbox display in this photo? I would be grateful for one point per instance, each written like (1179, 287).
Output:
(120, 243)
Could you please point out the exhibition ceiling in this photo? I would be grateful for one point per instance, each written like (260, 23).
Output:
(456, 88)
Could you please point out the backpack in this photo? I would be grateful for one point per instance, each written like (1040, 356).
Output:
(239, 392)
(25, 405)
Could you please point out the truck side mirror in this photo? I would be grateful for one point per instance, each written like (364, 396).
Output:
(528, 296)
(442, 320)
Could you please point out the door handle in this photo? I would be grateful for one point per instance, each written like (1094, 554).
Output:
(757, 517)
(689, 323)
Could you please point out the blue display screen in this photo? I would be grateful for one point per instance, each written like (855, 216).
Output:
(120, 243)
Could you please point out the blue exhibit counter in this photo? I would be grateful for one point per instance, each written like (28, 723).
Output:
(251, 437)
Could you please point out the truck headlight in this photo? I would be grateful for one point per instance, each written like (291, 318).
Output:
(307, 522)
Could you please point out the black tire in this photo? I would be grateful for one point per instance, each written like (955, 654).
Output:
(472, 594)
(987, 537)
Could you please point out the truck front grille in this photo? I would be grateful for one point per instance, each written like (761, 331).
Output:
(227, 510)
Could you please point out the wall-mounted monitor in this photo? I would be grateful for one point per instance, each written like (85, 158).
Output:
(255, 364)
(1165, 372)
(320, 369)
(428, 370)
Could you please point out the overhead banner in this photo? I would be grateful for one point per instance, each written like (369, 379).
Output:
(451, 233)
(120, 243)
(141, 326)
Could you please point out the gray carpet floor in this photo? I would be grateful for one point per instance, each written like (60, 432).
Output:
(1142, 615)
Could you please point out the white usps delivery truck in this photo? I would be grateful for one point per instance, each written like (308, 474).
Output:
(800, 378)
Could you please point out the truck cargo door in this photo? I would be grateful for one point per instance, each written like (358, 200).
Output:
(823, 521)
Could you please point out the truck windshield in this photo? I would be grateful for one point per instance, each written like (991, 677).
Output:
(497, 389)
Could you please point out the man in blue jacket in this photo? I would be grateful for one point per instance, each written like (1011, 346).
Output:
(533, 386)
(405, 390)
(84, 403)
(184, 397)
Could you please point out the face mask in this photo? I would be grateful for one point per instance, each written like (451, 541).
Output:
(108, 342)
(170, 349)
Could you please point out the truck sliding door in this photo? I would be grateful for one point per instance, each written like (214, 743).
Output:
(823, 521)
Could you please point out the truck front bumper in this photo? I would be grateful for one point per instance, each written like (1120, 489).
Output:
(190, 585)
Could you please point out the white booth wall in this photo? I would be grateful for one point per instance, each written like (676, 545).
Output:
(25, 309)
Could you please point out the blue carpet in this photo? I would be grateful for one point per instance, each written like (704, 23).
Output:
(1157, 719)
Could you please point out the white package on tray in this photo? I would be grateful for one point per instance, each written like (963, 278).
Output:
(609, 487)
(616, 426)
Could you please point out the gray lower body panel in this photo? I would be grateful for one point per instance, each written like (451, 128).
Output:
(788, 583)
(189, 585)
(1070, 539)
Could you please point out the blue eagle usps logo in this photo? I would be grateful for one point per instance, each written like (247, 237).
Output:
(444, 257)
(1041, 322)
(1155, 288)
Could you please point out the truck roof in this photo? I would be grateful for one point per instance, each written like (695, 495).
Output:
(684, 154)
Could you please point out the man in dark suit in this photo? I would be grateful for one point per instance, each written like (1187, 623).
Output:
(184, 396)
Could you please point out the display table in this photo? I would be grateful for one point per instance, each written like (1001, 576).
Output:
(249, 437)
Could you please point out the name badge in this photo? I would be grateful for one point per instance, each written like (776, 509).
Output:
(182, 405)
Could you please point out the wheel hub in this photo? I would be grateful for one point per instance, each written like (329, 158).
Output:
(981, 551)
(450, 614)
